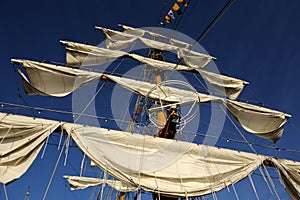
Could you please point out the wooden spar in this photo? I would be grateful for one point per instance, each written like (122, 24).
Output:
(160, 115)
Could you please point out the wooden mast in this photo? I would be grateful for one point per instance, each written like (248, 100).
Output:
(160, 116)
(158, 79)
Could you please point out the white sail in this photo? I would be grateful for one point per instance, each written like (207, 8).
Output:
(48, 79)
(120, 40)
(228, 86)
(138, 32)
(116, 40)
(165, 166)
(77, 54)
(53, 80)
(79, 182)
(82, 54)
(194, 59)
(141, 32)
(263, 122)
(289, 174)
(21, 139)
(158, 45)
(163, 93)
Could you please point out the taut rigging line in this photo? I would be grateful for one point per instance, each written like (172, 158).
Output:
(215, 20)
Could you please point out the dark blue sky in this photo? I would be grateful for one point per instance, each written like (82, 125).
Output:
(257, 41)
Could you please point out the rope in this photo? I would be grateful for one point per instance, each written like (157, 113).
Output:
(45, 146)
(82, 164)
(240, 132)
(62, 112)
(89, 103)
(100, 196)
(54, 170)
(264, 177)
(215, 20)
(271, 181)
(67, 148)
(253, 186)
(5, 192)
(235, 193)
(186, 132)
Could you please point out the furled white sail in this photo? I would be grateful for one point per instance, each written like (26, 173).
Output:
(157, 45)
(116, 40)
(82, 54)
(52, 80)
(165, 166)
(228, 86)
(120, 40)
(46, 79)
(194, 59)
(21, 139)
(159, 64)
(163, 93)
(263, 122)
(289, 174)
(140, 32)
(80, 182)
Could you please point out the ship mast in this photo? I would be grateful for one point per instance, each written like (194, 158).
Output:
(168, 131)
(157, 55)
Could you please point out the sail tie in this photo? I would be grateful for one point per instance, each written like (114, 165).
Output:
(227, 186)
(67, 148)
(214, 195)
(103, 184)
(82, 163)
(186, 195)
(158, 193)
(46, 143)
(45, 146)
(60, 139)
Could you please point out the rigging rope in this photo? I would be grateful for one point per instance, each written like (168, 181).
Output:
(235, 193)
(54, 170)
(253, 186)
(215, 20)
(5, 192)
